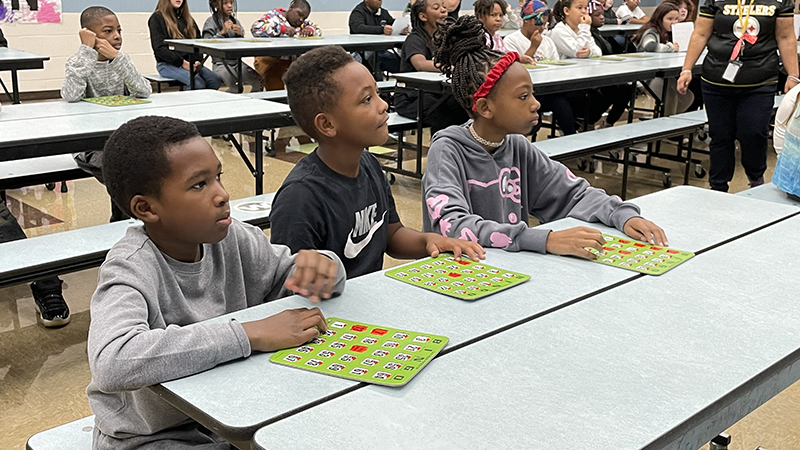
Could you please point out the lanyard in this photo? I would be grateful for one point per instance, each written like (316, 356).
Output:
(744, 21)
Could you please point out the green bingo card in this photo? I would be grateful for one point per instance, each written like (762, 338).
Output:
(116, 100)
(639, 256)
(462, 278)
(363, 352)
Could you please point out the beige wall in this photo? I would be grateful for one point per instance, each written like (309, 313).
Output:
(59, 41)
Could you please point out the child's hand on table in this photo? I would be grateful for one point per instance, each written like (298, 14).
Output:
(306, 32)
(314, 275)
(437, 244)
(286, 329)
(583, 53)
(574, 241)
(644, 230)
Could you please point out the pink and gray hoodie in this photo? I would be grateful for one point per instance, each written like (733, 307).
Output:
(485, 197)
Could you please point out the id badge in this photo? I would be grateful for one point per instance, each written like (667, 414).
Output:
(732, 70)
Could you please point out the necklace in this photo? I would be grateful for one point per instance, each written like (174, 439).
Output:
(483, 141)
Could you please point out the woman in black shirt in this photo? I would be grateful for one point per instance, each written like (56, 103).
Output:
(739, 78)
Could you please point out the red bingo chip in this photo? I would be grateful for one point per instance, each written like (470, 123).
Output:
(379, 331)
(358, 328)
(358, 348)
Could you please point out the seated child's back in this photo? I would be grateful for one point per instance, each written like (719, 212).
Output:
(189, 262)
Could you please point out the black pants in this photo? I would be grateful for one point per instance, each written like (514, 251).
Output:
(561, 108)
(11, 231)
(741, 114)
(440, 110)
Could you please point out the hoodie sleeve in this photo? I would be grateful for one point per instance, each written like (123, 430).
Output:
(138, 86)
(449, 212)
(569, 43)
(554, 192)
(79, 68)
(650, 43)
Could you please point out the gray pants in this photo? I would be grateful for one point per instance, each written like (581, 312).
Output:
(227, 73)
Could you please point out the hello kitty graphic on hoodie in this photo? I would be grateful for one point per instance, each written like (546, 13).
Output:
(485, 197)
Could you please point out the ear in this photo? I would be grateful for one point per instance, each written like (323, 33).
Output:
(324, 125)
(484, 108)
(142, 208)
(422, 17)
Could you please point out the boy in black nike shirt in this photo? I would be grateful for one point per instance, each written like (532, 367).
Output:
(337, 198)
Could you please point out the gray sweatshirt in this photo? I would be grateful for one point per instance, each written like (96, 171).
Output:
(87, 77)
(485, 197)
(145, 328)
(651, 42)
(211, 30)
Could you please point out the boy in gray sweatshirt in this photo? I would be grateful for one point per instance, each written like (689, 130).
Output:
(99, 69)
(189, 262)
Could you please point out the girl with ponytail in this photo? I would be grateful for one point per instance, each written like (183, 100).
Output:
(485, 178)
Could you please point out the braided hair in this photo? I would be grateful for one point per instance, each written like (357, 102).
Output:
(420, 7)
(463, 54)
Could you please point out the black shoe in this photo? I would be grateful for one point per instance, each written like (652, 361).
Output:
(51, 309)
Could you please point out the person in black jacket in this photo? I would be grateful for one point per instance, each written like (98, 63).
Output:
(172, 20)
(369, 18)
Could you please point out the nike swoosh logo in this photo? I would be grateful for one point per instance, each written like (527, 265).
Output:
(351, 250)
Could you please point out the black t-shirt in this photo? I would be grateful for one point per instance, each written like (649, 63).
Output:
(759, 61)
(415, 44)
(317, 208)
(364, 21)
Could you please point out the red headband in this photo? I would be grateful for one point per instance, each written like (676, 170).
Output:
(491, 79)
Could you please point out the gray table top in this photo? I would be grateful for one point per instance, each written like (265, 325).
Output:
(13, 55)
(659, 363)
(582, 74)
(769, 193)
(40, 129)
(234, 48)
(233, 401)
(628, 28)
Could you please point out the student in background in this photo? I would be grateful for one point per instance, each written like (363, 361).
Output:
(491, 14)
(441, 110)
(100, 68)
(685, 10)
(369, 18)
(172, 20)
(630, 12)
(337, 198)
(223, 24)
(609, 16)
(573, 32)
(279, 22)
(656, 36)
(513, 18)
(530, 41)
(484, 179)
(453, 7)
(48, 298)
(189, 262)
(618, 97)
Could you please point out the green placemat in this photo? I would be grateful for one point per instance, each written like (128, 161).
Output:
(538, 66)
(211, 41)
(310, 147)
(254, 40)
(554, 62)
(639, 256)
(116, 100)
(607, 58)
(635, 55)
(463, 279)
(310, 37)
(363, 352)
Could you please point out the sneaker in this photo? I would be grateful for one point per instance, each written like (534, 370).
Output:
(51, 309)
(757, 182)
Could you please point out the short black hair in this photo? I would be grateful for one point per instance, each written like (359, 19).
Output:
(483, 8)
(309, 86)
(91, 15)
(464, 56)
(300, 4)
(135, 158)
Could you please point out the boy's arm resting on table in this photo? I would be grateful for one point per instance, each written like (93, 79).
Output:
(79, 68)
(450, 213)
(126, 354)
(405, 243)
(138, 86)
(158, 33)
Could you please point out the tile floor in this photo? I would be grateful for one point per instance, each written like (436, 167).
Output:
(44, 372)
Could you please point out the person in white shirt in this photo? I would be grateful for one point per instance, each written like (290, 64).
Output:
(572, 34)
(629, 12)
(529, 41)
